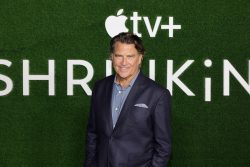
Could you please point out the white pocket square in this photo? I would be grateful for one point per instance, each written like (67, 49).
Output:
(141, 105)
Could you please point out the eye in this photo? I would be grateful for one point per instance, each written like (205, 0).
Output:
(118, 55)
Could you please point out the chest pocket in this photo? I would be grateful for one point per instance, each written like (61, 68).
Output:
(138, 116)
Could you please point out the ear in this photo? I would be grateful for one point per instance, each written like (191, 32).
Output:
(141, 57)
(111, 56)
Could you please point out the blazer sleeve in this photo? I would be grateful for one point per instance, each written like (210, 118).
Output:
(90, 160)
(162, 131)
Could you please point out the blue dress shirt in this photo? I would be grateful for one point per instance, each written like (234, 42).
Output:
(119, 95)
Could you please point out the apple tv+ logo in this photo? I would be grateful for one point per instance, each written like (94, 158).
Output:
(116, 24)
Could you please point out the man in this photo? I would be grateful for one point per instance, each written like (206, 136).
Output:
(129, 123)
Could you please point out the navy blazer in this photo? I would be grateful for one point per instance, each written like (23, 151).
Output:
(142, 135)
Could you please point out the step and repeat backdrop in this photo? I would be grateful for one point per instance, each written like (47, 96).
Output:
(52, 52)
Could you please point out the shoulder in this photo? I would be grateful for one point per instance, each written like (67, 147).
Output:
(104, 81)
(154, 86)
(157, 92)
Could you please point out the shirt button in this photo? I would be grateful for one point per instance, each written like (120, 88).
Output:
(120, 91)
(116, 109)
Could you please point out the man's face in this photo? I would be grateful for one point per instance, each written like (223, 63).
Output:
(126, 60)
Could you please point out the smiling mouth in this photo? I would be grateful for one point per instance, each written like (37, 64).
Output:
(123, 68)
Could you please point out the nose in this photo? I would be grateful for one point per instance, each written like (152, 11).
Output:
(124, 61)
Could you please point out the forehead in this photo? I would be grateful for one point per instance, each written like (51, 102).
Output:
(120, 47)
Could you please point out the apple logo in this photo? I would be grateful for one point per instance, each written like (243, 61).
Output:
(116, 24)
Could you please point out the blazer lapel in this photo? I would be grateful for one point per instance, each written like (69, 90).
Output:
(132, 96)
(108, 98)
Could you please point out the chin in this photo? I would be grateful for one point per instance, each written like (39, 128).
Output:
(123, 75)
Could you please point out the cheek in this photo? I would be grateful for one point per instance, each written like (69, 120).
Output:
(115, 62)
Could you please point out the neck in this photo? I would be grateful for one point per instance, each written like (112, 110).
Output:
(124, 82)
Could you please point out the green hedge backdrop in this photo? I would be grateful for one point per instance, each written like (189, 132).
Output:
(49, 131)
